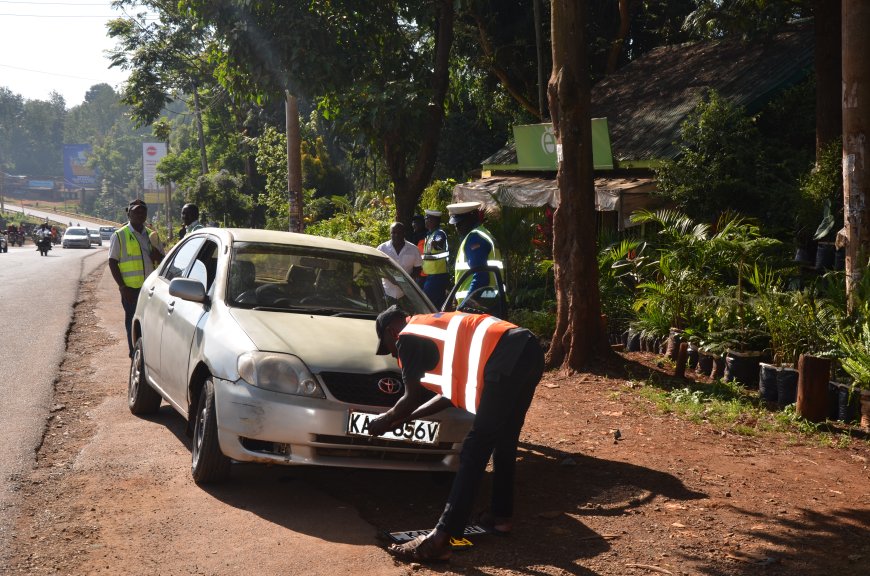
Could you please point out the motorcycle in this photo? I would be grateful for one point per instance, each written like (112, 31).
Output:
(43, 245)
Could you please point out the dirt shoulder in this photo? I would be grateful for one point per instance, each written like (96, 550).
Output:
(111, 493)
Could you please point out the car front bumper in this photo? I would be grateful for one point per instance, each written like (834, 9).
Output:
(256, 425)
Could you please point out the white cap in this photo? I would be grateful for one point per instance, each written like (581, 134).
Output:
(433, 213)
(461, 208)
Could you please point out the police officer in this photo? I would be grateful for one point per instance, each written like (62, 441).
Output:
(132, 257)
(435, 255)
(478, 363)
(477, 249)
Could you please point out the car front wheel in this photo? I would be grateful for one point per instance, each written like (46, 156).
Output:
(208, 463)
(141, 397)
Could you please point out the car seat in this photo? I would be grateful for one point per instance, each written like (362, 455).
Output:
(243, 281)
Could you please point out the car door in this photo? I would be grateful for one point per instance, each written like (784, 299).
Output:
(184, 317)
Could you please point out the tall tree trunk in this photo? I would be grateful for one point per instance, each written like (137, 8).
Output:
(294, 163)
(409, 188)
(829, 69)
(856, 121)
(625, 9)
(579, 335)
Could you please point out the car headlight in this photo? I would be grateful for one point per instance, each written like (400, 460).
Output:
(279, 373)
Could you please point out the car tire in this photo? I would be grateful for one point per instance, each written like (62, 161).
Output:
(141, 397)
(208, 463)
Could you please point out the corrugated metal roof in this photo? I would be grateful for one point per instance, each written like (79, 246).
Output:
(646, 101)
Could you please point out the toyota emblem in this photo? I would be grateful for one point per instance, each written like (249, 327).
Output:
(390, 385)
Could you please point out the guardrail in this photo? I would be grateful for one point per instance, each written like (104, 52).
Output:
(71, 216)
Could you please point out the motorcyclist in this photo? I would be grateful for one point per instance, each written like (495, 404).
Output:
(43, 233)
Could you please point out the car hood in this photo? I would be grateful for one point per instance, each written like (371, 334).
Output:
(324, 343)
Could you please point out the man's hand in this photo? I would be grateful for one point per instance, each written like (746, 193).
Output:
(128, 294)
(379, 425)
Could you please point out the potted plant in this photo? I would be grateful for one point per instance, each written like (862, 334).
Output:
(855, 348)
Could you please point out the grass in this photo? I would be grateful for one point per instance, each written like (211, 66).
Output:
(731, 407)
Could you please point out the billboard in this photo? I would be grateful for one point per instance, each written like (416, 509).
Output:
(76, 172)
(152, 153)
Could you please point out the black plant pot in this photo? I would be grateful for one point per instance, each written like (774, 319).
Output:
(786, 386)
(743, 367)
(691, 357)
(705, 364)
(718, 367)
(825, 252)
(767, 382)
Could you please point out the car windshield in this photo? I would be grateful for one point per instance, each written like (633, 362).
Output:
(315, 280)
(76, 232)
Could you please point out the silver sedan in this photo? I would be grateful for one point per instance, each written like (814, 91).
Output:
(265, 342)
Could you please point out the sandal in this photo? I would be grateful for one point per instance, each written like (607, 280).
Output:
(420, 549)
(498, 525)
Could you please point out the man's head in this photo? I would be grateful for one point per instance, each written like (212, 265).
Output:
(388, 325)
(417, 223)
(189, 214)
(464, 215)
(137, 213)
(397, 234)
(433, 219)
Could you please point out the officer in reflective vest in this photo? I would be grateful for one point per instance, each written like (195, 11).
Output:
(435, 255)
(477, 249)
(481, 364)
(131, 259)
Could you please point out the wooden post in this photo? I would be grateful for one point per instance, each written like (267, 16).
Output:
(812, 397)
(682, 356)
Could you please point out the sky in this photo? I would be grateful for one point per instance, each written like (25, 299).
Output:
(56, 45)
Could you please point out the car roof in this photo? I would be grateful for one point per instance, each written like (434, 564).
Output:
(280, 237)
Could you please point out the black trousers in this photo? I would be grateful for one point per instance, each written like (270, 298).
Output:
(495, 432)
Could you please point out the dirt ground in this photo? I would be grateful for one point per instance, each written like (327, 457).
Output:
(668, 497)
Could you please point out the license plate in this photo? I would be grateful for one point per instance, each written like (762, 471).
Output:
(416, 431)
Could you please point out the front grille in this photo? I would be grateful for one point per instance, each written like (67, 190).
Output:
(362, 388)
(379, 449)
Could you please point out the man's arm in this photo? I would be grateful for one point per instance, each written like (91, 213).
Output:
(401, 411)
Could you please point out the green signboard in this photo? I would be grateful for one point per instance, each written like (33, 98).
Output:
(536, 148)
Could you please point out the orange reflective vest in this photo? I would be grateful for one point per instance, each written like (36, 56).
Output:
(465, 342)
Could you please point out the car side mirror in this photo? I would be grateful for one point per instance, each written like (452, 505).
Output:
(187, 289)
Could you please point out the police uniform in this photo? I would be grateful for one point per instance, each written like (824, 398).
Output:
(477, 249)
(435, 256)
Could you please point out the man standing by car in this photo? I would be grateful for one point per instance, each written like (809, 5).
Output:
(132, 257)
(481, 364)
(405, 254)
(477, 249)
(190, 218)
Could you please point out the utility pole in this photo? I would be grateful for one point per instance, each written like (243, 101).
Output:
(294, 163)
(856, 121)
(198, 111)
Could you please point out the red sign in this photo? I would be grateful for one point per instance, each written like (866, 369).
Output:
(151, 150)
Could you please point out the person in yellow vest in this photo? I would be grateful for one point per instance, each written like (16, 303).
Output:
(477, 249)
(132, 257)
(478, 363)
(435, 255)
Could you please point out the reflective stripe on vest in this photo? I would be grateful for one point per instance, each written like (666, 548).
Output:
(130, 260)
(465, 343)
(462, 264)
(434, 262)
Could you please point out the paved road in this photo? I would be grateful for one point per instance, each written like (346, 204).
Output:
(37, 295)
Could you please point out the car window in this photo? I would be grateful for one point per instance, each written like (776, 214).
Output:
(205, 265)
(182, 258)
(327, 281)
